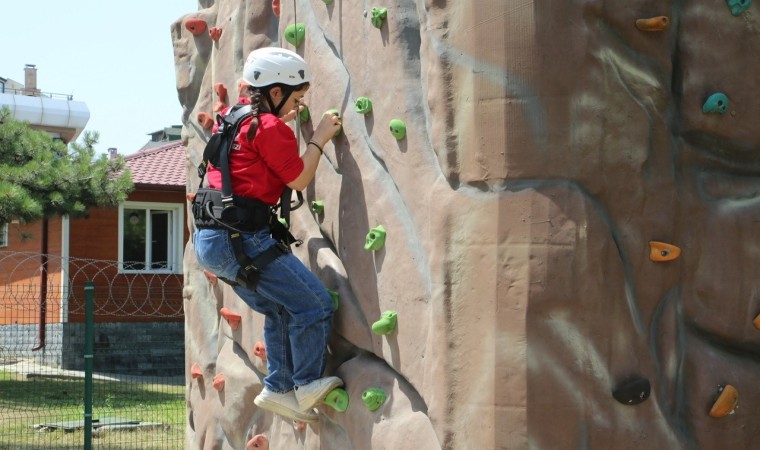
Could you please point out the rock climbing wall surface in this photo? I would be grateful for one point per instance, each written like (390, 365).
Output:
(542, 233)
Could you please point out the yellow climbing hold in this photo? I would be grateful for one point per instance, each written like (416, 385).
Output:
(726, 402)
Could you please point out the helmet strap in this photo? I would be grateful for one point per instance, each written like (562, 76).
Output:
(287, 91)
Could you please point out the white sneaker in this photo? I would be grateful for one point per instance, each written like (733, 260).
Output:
(310, 394)
(285, 405)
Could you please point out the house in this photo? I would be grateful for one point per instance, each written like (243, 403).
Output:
(132, 253)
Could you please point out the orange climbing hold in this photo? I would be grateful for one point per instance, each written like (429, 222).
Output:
(195, 371)
(195, 25)
(660, 251)
(231, 318)
(756, 322)
(258, 442)
(300, 426)
(205, 120)
(260, 350)
(276, 7)
(215, 33)
(190, 197)
(221, 91)
(726, 402)
(218, 382)
(658, 23)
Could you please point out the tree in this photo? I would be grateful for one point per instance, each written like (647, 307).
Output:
(41, 177)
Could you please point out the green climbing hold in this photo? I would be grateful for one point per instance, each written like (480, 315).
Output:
(386, 324)
(378, 16)
(363, 105)
(398, 129)
(318, 206)
(327, 2)
(337, 113)
(375, 239)
(295, 33)
(374, 398)
(335, 299)
(337, 399)
(304, 115)
(717, 102)
(738, 6)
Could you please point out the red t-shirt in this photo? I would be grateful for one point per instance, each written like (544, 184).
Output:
(261, 168)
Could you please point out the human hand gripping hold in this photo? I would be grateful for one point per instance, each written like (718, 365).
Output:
(326, 129)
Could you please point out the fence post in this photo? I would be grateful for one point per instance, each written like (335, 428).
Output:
(89, 318)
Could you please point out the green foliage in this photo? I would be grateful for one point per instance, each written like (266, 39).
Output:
(42, 177)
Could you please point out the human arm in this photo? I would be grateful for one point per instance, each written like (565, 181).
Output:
(328, 126)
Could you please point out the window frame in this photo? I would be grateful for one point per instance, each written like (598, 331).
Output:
(176, 238)
(3, 235)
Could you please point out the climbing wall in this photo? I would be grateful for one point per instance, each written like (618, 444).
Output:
(542, 234)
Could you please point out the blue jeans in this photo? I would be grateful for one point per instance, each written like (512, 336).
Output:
(297, 308)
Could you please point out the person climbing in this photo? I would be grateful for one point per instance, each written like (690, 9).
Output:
(263, 162)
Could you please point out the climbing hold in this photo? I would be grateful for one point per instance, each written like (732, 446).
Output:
(337, 399)
(375, 239)
(632, 391)
(215, 33)
(660, 251)
(398, 128)
(300, 426)
(218, 382)
(295, 33)
(335, 299)
(717, 102)
(205, 120)
(260, 350)
(726, 403)
(195, 371)
(276, 7)
(231, 318)
(221, 91)
(258, 442)
(374, 398)
(304, 115)
(337, 113)
(195, 25)
(738, 6)
(756, 322)
(386, 324)
(378, 16)
(212, 279)
(327, 2)
(318, 206)
(363, 105)
(658, 23)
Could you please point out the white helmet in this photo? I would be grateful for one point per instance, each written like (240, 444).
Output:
(270, 65)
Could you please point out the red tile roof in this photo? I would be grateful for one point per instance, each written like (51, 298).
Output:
(159, 166)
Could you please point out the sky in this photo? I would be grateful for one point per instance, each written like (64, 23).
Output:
(115, 56)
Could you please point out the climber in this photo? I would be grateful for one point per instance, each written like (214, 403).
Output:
(263, 162)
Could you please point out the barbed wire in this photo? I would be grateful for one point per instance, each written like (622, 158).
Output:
(138, 295)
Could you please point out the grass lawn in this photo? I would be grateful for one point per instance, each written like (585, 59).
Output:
(25, 403)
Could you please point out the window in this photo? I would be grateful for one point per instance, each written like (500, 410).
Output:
(4, 235)
(150, 237)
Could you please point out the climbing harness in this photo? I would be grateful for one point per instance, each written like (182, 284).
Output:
(221, 209)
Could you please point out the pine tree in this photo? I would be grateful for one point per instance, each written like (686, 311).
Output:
(41, 177)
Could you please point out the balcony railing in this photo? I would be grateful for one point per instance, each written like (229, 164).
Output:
(36, 93)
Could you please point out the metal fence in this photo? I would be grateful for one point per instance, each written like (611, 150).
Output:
(110, 376)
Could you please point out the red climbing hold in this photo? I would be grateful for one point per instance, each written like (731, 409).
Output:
(300, 426)
(258, 442)
(276, 7)
(195, 25)
(212, 279)
(658, 23)
(260, 351)
(221, 91)
(205, 120)
(190, 197)
(195, 371)
(218, 382)
(215, 33)
(231, 318)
